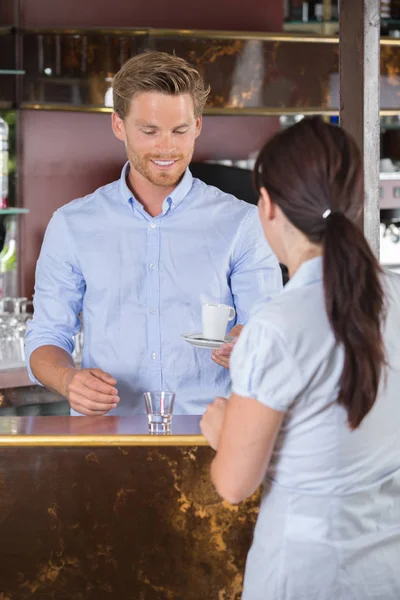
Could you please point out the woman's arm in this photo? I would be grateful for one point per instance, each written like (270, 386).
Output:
(244, 439)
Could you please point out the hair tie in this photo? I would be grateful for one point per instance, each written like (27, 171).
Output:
(326, 213)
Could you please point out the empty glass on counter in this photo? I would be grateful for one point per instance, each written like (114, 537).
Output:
(159, 407)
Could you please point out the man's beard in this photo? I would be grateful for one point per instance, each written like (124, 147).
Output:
(142, 164)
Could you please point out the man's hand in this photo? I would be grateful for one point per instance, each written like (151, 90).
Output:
(90, 391)
(223, 354)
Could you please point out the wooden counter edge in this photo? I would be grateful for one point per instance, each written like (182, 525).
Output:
(68, 441)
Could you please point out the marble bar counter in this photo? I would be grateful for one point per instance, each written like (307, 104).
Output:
(96, 508)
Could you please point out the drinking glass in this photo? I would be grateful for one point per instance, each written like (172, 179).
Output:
(159, 407)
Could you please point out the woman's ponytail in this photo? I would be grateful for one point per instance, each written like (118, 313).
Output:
(354, 301)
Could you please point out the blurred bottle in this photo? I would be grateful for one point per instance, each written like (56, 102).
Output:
(8, 261)
(318, 11)
(301, 10)
(3, 164)
(315, 11)
(298, 10)
(386, 16)
(108, 96)
(335, 10)
(385, 9)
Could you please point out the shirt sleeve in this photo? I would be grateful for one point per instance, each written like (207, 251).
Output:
(59, 291)
(262, 367)
(255, 275)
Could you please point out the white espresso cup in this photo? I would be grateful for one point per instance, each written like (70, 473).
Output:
(215, 318)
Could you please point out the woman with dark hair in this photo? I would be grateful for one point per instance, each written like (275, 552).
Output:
(314, 412)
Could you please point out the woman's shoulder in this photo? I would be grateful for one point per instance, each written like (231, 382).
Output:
(292, 309)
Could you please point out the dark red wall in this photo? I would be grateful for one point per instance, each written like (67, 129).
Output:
(241, 15)
(7, 12)
(67, 155)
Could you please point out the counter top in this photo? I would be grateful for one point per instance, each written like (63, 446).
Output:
(13, 378)
(97, 431)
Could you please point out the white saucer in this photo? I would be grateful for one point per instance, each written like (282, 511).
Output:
(196, 339)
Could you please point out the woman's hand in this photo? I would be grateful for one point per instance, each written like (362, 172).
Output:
(223, 354)
(212, 420)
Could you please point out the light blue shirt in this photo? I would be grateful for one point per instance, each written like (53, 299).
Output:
(140, 282)
(329, 522)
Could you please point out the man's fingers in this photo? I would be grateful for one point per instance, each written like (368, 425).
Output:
(92, 392)
(89, 394)
(235, 331)
(94, 383)
(225, 350)
(94, 406)
(80, 389)
(220, 360)
(103, 376)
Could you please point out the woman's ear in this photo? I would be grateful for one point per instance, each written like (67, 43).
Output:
(266, 205)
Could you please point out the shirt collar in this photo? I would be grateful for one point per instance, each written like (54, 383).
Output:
(123, 186)
(171, 201)
(181, 190)
(308, 272)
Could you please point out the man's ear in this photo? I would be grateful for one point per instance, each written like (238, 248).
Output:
(118, 127)
(199, 123)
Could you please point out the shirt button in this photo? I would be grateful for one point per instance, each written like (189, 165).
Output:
(152, 225)
(152, 267)
(153, 311)
(154, 356)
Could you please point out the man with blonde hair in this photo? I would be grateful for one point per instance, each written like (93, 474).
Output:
(137, 256)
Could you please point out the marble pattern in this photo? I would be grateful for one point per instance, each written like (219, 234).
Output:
(140, 523)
